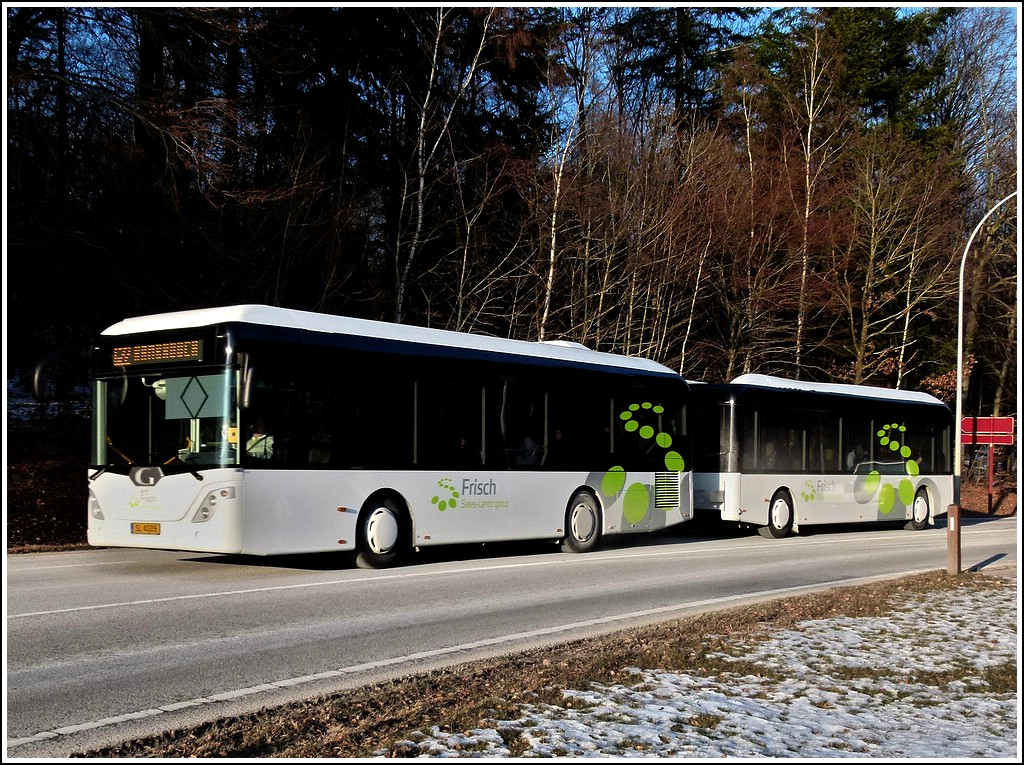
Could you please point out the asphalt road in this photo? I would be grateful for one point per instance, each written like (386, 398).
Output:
(103, 645)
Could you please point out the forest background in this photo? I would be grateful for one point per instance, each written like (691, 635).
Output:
(722, 189)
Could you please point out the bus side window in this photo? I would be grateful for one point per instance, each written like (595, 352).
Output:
(523, 422)
(449, 423)
(857, 442)
(580, 408)
(780, 441)
(747, 426)
(823, 444)
(925, 447)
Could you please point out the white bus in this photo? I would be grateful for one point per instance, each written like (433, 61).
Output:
(780, 454)
(262, 431)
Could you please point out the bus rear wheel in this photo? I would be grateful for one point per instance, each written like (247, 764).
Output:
(780, 517)
(919, 512)
(382, 534)
(582, 523)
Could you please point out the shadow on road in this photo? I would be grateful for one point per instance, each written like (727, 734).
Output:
(699, 530)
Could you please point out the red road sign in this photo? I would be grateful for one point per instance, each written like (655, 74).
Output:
(987, 440)
(986, 430)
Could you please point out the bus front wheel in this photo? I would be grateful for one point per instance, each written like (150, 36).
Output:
(582, 523)
(382, 534)
(780, 517)
(920, 511)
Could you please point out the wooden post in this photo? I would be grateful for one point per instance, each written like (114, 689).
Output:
(953, 540)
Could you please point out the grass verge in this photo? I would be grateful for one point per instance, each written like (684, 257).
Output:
(378, 718)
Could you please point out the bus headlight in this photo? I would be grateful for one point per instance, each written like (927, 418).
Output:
(94, 507)
(209, 506)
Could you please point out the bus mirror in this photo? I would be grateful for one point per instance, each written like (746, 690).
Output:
(42, 380)
(118, 391)
(248, 377)
(56, 373)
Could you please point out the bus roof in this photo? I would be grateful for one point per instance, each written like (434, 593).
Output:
(860, 391)
(286, 318)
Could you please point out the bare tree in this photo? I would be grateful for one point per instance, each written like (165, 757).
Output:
(752, 226)
(471, 285)
(432, 129)
(978, 101)
(569, 78)
(813, 110)
(896, 257)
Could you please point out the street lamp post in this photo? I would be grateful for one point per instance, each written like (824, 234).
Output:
(953, 520)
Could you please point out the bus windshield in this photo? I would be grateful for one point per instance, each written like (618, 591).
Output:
(182, 422)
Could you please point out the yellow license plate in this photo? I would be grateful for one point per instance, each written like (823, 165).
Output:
(145, 528)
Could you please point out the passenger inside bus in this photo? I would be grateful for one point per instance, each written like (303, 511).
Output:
(855, 457)
(466, 455)
(260, 444)
(529, 451)
(557, 455)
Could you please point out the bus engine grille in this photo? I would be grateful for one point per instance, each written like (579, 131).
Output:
(667, 491)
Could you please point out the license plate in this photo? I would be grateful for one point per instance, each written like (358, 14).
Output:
(145, 528)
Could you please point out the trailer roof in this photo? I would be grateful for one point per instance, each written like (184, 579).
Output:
(861, 391)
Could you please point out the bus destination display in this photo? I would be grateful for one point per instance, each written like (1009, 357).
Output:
(158, 353)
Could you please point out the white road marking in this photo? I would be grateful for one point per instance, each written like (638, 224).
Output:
(561, 560)
(22, 569)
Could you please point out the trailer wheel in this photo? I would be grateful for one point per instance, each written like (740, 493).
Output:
(920, 511)
(582, 523)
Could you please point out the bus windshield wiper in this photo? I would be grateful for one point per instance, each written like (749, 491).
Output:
(100, 472)
(118, 452)
(188, 467)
